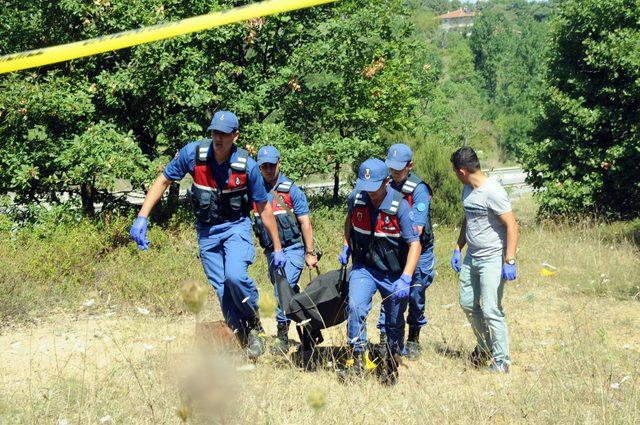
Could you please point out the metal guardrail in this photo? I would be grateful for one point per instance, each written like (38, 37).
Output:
(508, 177)
(511, 177)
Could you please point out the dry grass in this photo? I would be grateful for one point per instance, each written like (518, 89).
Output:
(575, 350)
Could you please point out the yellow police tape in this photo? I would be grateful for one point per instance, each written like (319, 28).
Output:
(49, 55)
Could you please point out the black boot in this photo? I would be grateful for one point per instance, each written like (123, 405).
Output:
(353, 371)
(479, 357)
(309, 339)
(242, 334)
(413, 347)
(281, 344)
(256, 343)
(383, 338)
(388, 368)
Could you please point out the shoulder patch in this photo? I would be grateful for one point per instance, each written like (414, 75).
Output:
(421, 207)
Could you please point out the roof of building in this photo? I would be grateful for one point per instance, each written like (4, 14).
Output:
(460, 13)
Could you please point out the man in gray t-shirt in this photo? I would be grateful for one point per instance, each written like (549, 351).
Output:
(485, 232)
(490, 231)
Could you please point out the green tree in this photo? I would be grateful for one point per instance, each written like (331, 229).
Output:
(438, 6)
(364, 72)
(587, 139)
(431, 159)
(493, 42)
(147, 101)
(508, 42)
(454, 115)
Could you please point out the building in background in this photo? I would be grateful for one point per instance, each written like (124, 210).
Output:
(461, 18)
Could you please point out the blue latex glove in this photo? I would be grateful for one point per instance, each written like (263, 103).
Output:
(279, 259)
(509, 271)
(138, 232)
(455, 261)
(401, 286)
(344, 255)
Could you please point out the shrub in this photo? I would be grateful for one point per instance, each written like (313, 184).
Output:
(585, 154)
(433, 166)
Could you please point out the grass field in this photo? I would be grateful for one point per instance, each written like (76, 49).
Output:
(129, 356)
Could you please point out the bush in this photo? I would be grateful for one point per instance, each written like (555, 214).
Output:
(433, 165)
(59, 262)
(41, 265)
(42, 271)
(585, 154)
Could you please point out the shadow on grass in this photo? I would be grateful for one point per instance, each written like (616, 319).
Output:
(323, 357)
(453, 353)
(329, 357)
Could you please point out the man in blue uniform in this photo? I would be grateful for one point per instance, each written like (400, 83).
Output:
(291, 210)
(418, 195)
(379, 232)
(226, 180)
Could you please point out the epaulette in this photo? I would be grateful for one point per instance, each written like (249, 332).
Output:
(240, 163)
(395, 203)
(284, 186)
(202, 150)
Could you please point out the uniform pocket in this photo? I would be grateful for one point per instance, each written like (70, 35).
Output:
(296, 258)
(248, 251)
(205, 204)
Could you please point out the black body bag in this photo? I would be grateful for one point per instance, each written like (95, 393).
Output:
(322, 304)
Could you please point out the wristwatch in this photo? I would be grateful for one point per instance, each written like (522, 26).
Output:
(511, 261)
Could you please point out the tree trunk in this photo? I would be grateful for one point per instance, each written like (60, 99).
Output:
(87, 194)
(336, 181)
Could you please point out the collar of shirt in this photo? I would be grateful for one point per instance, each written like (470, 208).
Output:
(226, 163)
(396, 186)
(222, 170)
(386, 202)
(281, 178)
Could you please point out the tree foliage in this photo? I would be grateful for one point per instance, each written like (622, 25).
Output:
(362, 74)
(508, 41)
(321, 82)
(587, 139)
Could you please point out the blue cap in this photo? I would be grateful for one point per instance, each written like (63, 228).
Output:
(268, 154)
(371, 174)
(398, 156)
(224, 121)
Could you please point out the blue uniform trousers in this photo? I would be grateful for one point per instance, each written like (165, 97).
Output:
(292, 270)
(363, 284)
(422, 279)
(226, 251)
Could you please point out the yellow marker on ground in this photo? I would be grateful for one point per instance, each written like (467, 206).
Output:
(49, 55)
(548, 270)
(368, 363)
